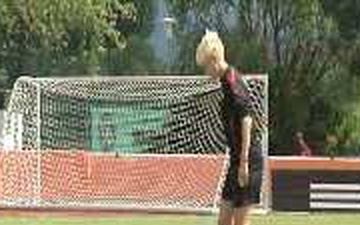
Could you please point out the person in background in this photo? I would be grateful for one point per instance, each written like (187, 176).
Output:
(303, 147)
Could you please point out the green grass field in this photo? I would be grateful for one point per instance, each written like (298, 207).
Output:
(272, 219)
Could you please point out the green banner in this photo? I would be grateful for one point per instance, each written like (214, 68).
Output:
(125, 128)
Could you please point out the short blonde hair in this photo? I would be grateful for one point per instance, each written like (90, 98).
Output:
(210, 45)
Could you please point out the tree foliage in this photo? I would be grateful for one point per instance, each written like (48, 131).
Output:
(304, 47)
(63, 37)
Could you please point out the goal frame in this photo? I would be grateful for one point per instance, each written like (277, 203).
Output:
(266, 200)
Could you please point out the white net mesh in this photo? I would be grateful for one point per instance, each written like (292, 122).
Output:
(138, 142)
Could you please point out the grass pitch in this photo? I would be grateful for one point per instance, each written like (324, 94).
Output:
(271, 219)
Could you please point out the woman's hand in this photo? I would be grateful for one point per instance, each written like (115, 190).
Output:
(243, 173)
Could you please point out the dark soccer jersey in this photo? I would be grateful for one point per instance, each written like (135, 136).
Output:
(236, 106)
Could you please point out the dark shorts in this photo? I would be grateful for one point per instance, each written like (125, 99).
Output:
(243, 196)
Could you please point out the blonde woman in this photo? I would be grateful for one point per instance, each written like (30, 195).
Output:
(243, 180)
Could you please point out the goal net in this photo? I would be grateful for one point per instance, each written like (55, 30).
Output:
(153, 143)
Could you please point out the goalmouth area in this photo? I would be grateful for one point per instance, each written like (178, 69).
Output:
(144, 143)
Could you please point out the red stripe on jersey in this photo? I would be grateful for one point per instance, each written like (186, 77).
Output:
(233, 80)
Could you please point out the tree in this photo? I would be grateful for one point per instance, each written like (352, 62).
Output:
(311, 84)
(60, 37)
(138, 57)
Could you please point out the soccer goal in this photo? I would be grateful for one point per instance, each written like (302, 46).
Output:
(136, 142)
